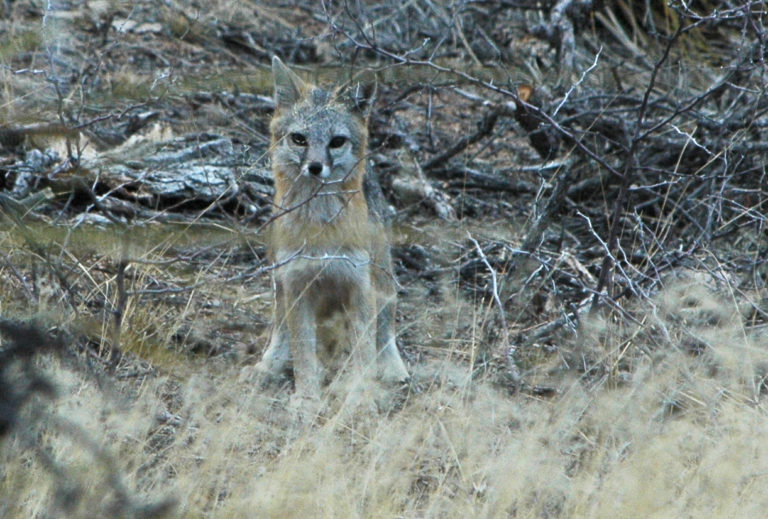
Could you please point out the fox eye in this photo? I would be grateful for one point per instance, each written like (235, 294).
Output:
(299, 139)
(337, 142)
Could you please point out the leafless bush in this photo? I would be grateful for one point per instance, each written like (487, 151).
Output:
(23, 418)
(663, 133)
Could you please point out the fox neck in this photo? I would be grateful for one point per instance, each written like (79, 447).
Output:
(319, 217)
(307, 199)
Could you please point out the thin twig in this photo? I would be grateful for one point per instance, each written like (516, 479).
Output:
(494, 291)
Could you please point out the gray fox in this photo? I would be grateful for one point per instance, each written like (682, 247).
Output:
(335, 293)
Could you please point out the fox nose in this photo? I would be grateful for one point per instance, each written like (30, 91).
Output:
(315, 168)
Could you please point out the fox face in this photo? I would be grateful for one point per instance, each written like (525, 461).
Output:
(317, 135)
(321, 143)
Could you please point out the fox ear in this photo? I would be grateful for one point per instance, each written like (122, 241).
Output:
(361, 98)
(289, 87)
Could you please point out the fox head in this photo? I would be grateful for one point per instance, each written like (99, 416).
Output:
(318, 136)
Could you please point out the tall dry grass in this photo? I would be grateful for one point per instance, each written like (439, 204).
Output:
(667, 421)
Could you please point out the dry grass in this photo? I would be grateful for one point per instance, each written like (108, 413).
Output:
(666, 422)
